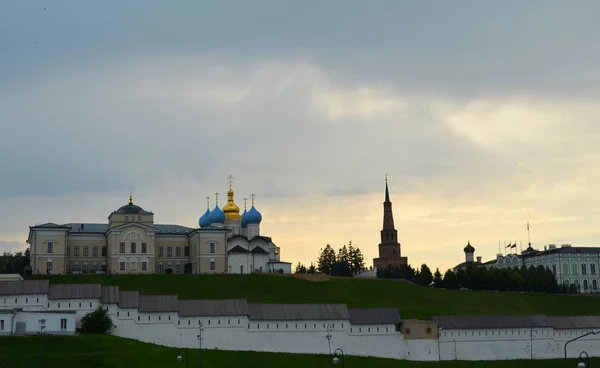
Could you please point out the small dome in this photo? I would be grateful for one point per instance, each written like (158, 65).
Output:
(217, 216)
(244, 219)
(204, 220)
(231, 210)
(469, 248)
(131, 208)
(253, 216)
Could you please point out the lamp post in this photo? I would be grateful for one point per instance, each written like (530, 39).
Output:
(179, 358)
(328, 336)
(337, 354)
(594, 332)
(531, 343)
(200, 328)
(581, 364)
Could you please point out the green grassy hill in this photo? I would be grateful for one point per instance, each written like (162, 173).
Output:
(411, 300)
(99, 351)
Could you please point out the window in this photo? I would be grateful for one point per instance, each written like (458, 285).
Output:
(133, 266)
(574, 268)
(50, 246)
(186, 251)
(594, 285)
(144, 266)
(122, 266)
(94, 251)
(583, 268)
(85, 268)
(169, 251)
(68, 251)
(178, 268)
(160, 251)
(126, 218)
(178, 252)
(593, 268)
(585, 284)
(212, 264)
(94, 268)
(49, 265)
(554, 269)
(122, 248)
(132, 247)
(144, 248)
(76, 251)
(139, 218)
(160, 268)
(104, 251)
(86, 251)
(67, 268)
(63, 324)
(1, 325)
(565, 269)
(212, 247)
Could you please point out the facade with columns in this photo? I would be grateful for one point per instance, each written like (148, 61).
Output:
(131, 243)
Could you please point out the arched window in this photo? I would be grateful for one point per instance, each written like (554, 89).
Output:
(583, 268)
(554, 269)
(585, 284)
(574, 268)
(565, 269)
(593, 268)
(594, 285)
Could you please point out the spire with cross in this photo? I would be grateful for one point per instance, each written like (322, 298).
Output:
(252, 195)
(208, 202)
(230, 178)
(217, 198)
(245, 202)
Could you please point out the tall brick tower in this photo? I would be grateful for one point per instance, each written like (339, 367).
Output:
(389, 248)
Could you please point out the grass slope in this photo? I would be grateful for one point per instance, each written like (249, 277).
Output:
(411, 300)
(99, 351)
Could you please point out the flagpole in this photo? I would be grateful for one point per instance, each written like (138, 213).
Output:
(528, 234)
(521, 246)
(505, 248)
(499, 249)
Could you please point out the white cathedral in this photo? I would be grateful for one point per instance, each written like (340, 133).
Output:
(131, 243)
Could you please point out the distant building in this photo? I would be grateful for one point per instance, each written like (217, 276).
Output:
(570, 265)
(131, 243)
(389, 248)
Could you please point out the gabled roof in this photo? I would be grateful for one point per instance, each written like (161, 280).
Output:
(260, 237)
(238, 249)
(48, 225)
(259, 250)
(27, 287)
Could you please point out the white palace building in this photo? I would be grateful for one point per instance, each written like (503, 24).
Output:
(36, 306)
(131, 243)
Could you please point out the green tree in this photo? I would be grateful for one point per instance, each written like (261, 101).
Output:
(450, 280)
(97, 322)
(326, 260)
(425, 276)
(437, 278)
(357, 260)
(300, 268)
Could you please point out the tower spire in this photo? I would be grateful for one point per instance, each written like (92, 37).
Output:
(252, 195)
(245, 202)
(387, 192)
(208, 202)
(217, 198)
(230, 178)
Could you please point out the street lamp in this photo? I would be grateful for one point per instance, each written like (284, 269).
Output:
(328, 336)
(531, 343)
(200, 328)
(337, 354)
(180, 358)
(581, 364)
(593, 332)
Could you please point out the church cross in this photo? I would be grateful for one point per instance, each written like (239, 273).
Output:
(252, 195)
(245, 201)
(386, 175)
(217, 197)
(230, 178)
(208, 202)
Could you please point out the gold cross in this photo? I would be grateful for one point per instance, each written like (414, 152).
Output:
(230, 177)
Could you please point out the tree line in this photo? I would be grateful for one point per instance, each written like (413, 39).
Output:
(529, 279)
(14, 263)
(347, 261)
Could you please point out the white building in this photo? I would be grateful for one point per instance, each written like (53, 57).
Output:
(570, 265)
(300, 328)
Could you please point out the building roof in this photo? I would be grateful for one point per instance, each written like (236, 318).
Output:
(129, 299)
(48, 225)
(110, 294)
(574, 322)
(75, 291)
(374, 316)
(298, 312)
(491, 321)
(238, 249)
(28, 287)
(213, 308)
(158, 303)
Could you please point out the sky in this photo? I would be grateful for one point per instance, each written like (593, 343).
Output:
(484, 115)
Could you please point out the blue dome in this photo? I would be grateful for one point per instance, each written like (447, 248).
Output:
(244, 219)
(253, 216)
(205, 219)
(217, 216)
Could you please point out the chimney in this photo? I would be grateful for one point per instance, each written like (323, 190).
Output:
(478, 259)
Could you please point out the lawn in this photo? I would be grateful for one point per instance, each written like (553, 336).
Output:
(411, 300)
(99, 351)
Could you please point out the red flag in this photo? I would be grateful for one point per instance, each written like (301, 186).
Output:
(508, 246)
(514, 245)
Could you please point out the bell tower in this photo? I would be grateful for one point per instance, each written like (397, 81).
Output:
(389, 248)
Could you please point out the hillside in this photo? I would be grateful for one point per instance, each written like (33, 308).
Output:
(411, 300)
(99, 351)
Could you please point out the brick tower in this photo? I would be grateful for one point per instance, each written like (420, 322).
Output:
(389, 248)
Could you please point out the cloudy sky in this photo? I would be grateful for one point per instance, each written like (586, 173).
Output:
(485, 115)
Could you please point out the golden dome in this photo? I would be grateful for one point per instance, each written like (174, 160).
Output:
(232, 211)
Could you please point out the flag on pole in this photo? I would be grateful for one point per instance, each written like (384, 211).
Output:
(509, 245)
(527, 225)
(514, 245)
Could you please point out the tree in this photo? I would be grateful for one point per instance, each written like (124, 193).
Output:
(437, 278)
(326, 260)
(300, 268)
(357, 260)
(97, 322)
(14, 263)
(426, 278)
(312, 268)
(450, 280)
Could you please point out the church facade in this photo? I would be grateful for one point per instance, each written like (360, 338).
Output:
(131, 243)
(389, 247)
